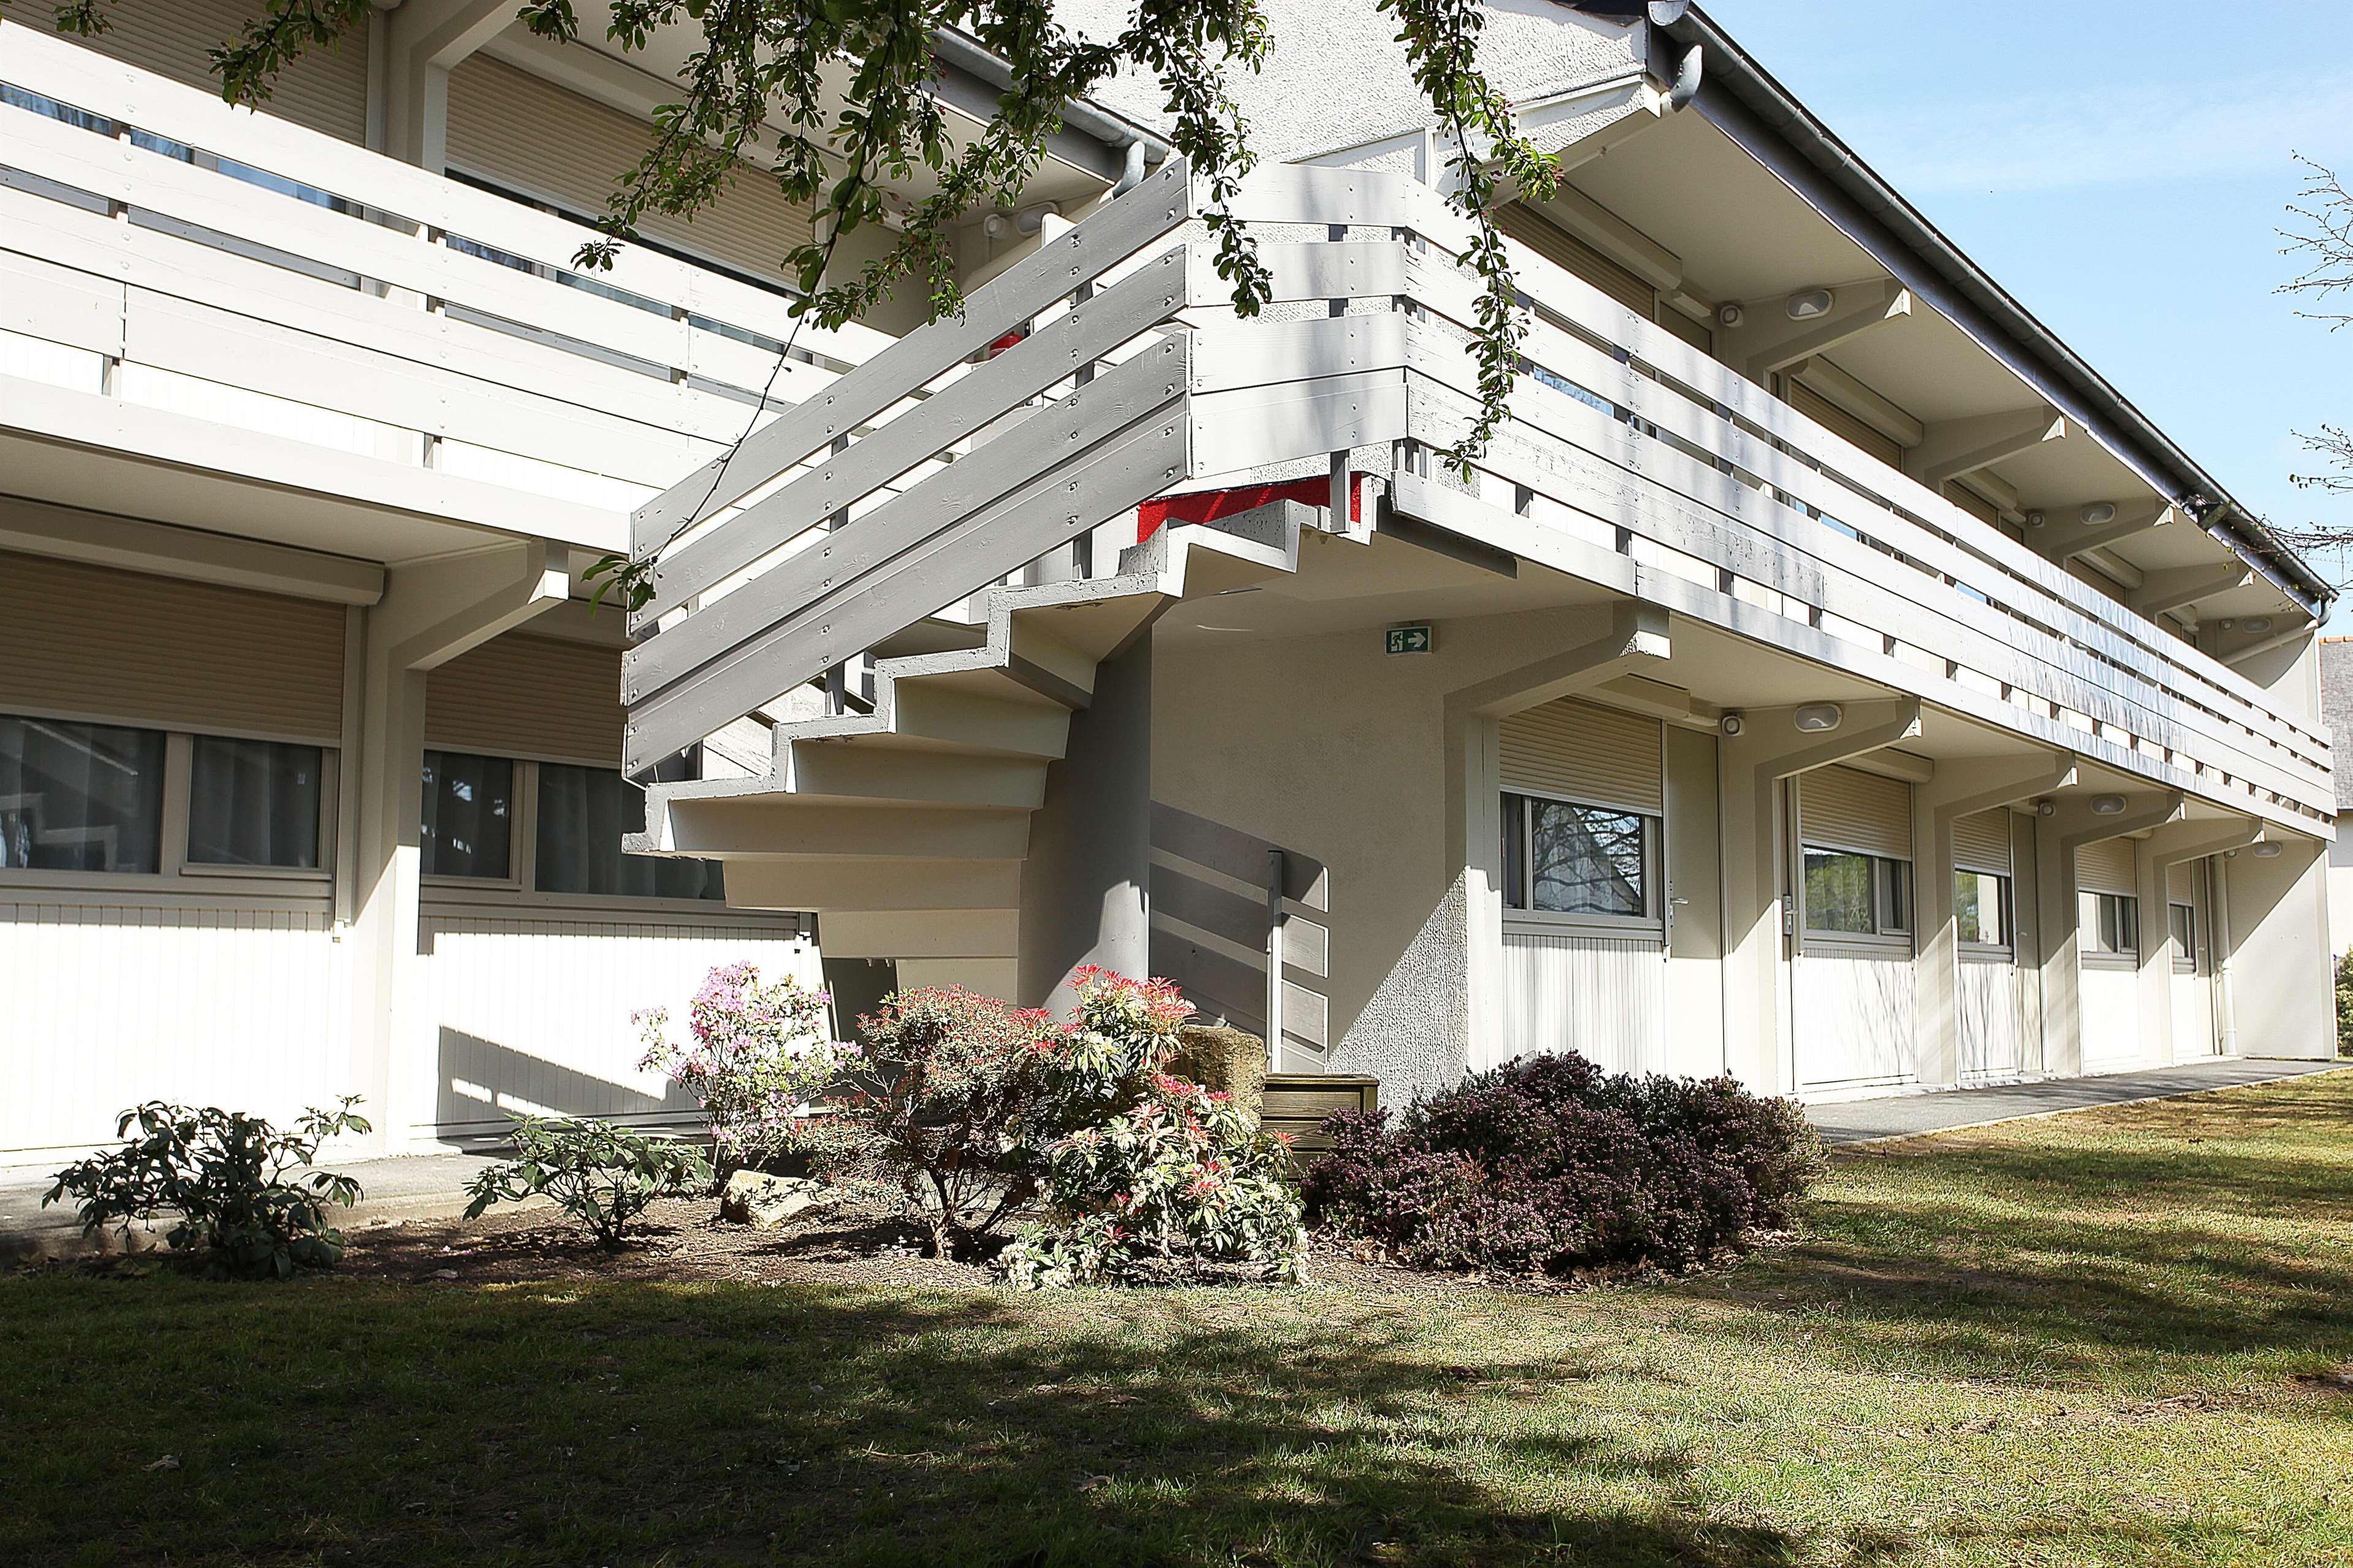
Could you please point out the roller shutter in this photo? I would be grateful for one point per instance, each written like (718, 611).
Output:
(90, 642)
(1981, 842)
(520, 696)
(2105, 867)
(1570, 254)
(1597, 755)
(1845, 808)
(1842, 423)
(538, 139)
(326, 90)
(2179, 888)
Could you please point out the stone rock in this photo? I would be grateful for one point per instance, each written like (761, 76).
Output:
(1217, 1058)
(764, 1201)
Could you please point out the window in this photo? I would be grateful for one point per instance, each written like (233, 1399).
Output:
(1561, 857)
(1849, 893)
(80, 797)
(468, 815)
(2183, 921)
(584, 812)
(1981, 908)
(2110, 922)
(254, 803)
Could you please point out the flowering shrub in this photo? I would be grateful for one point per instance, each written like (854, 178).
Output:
(1146, 1166)
(604, 1177)
(1178, 1174)
(950, 1092)
(1549, 1163)
(758, 1058)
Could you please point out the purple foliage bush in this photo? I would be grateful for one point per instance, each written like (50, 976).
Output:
(1547, 1164)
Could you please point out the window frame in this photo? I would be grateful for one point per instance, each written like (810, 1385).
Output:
(1650, 922)
(176, 874)
(1882, 940)
(2007, 948)
(2185, 948)
(520, 888)
(2090, 954)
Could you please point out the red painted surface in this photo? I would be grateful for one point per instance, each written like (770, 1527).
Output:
(1207, 506)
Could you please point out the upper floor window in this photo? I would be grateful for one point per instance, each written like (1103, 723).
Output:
(1562, 856)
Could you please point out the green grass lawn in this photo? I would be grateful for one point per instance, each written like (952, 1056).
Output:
(2106, 1338)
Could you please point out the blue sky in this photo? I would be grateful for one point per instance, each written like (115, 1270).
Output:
(2122, 167)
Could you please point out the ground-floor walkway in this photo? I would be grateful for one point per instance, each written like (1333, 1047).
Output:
(1908, 1116)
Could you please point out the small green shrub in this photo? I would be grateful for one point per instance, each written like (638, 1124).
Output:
(1547, 1164)
(757, 1059)
(229, 1178)
(603, 1177)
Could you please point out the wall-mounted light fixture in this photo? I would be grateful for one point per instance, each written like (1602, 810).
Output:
(2267, 851)
(1732, 723)
(2107, 805)
(1730, 314)
(1814, 303)
(2046, 808)
(2035, 519)
(2098, 513)
(1818, 717)
(2256, 624)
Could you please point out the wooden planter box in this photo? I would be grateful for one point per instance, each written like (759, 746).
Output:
(1297, 1103)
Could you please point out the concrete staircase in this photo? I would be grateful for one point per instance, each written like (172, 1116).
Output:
(907, 829)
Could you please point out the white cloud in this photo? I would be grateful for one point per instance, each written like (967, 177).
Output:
(2123, 135)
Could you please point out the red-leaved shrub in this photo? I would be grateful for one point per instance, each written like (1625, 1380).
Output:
(1547, 1164)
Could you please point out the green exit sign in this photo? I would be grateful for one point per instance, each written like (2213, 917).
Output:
(1409, 639)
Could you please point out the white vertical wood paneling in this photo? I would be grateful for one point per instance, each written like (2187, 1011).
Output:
(109, 1004)
(1992, 1046)
(2111, 1003)
(531, 1012)
(1604, 998)
(1855, 1021)
(2193, 1017)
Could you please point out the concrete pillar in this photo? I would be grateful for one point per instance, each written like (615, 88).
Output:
(431, 614)
(2072, 825)
(1961, 787)
(2281, 992)
(1750, 767)
(418, 45)
(1085, 887)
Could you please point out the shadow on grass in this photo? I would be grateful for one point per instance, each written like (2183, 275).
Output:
(613, 1423)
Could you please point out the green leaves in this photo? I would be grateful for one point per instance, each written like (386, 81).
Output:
(229, 1178)
(602, 1176)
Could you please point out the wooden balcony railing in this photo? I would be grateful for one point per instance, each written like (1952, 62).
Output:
(161, 248)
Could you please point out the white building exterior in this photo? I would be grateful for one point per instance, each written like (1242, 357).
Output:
(1824, 678)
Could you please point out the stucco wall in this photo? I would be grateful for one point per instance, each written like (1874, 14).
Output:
(2281, 994)
(1348, 84)
(1355, 777)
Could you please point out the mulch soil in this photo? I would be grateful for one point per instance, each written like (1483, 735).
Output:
(865, 1240)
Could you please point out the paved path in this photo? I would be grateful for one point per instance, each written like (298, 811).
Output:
(1908, 1116)
(410, 1187)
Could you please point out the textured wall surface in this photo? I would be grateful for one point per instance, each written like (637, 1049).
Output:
(1337, 77)
(1355, 778)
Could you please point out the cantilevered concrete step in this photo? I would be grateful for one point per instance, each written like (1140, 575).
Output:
(954, 757)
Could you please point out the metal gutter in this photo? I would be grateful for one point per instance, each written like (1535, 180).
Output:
(959, 54)
(1743, 99)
